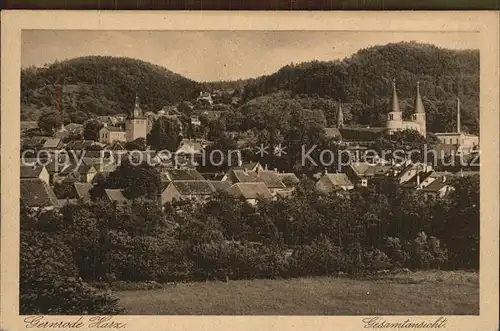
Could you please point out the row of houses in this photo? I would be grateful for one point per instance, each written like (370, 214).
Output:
(409, 175)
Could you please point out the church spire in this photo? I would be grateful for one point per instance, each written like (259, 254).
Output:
(419, 105)
(340, 117)
(458, 116)
(394, 105)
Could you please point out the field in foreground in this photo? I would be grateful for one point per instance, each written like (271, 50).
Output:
(428, 293)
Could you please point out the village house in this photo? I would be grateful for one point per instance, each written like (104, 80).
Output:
(331, 182)
(35, 172)
(171, 175)
(272, 180)
(115, 196)
(53, 144)
(438, 189)
(220, 186)
(110, 134)
(36, 194)
(289, 179)
(84, 173)
(251, 193)
(198, 190)
(242, 176)
(360, 173)
(79, 145)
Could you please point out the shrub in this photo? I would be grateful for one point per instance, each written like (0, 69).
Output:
(49, 283)
(426, 252)
(319, 258)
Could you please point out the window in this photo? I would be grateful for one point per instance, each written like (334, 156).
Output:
(391, 117)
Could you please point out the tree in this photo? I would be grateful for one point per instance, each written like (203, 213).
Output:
(165, 134)
(138, 144)
(50, 122)
(141, 181)
(404, 144)
(91, 129)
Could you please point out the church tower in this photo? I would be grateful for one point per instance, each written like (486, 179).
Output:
(136, 123)
(419, 112)
(340, 118)
(395, 116)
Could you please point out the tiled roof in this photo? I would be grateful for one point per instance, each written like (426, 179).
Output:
(333, 133)
(289, 178)
(339, 179)
(116, 195)
(113, 129)
(361, 168)
(194, 187)
(181, 174)
(31, 171)
(412, 182)
(79, 144)
(271, 179)
(82, 190)
(37, 193)
(245, 176)
(250, 191)
(436, 185)
(221, 186)
(82, 169)
(52, 143)
(74, 127)
(248, 166)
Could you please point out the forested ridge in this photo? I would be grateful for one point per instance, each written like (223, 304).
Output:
(97, 85)
(100, 85)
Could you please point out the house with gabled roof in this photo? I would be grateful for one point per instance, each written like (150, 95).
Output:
(170, 175)
(289, 179)
(220, 186)
(115, 196)
(186, 189)
(272, 180)
(242, 176)
(110, 134)
(251, 193)
(38, 195)
(35, 172)
(53, 144)
(332, 182)
(84, 172)
(438, 189)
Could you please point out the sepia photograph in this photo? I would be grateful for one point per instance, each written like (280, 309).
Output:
(251, 172)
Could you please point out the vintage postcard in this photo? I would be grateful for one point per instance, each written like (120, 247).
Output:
(249, 170)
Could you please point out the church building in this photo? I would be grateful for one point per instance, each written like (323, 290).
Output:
(395, 116)
(136, 123)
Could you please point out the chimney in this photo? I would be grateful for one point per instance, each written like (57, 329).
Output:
(326, 170)
(418, 179)
(275, 169)
(265, 167)
(240, 163)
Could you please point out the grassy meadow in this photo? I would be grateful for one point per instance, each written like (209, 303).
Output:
(426, 292)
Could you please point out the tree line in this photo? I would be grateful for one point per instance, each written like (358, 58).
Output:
(306, 234)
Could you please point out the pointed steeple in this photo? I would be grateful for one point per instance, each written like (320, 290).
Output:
(394, 105)
(340, 117)
(137, 109)
(458, 116)
(419, 105)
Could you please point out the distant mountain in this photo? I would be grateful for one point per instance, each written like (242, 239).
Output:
(363, 81)
(100, 85)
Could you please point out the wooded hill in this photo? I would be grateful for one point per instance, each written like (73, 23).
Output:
(363, 83)
(98, 85)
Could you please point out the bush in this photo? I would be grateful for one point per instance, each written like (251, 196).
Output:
(49, 283)
(426, 253)
(319, 258)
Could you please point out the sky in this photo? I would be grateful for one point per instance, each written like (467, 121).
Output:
(220, 55)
